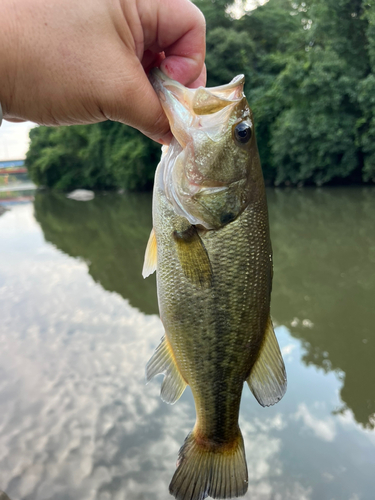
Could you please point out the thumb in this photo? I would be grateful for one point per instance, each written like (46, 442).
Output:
(139, 106)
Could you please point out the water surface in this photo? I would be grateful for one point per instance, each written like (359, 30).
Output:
(78, 324)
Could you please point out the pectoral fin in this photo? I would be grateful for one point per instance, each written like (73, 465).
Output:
(162, 361)
(192, 255)
(150, 262)
(267, 379)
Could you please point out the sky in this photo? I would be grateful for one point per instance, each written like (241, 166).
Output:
(14, 140)
(239, 7)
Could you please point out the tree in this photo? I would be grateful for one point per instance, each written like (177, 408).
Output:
(107, 155)
(309, 68)
(366, 99)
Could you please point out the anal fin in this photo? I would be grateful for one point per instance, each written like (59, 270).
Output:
(267, 379)
(162, 361)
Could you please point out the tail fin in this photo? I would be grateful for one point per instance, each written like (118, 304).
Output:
(218, 472)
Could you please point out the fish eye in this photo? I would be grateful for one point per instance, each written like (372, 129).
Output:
(243, 132)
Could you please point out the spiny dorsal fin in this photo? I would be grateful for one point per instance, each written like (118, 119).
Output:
(192, 255)
(267, 379)
(162, 361)
(150, 262)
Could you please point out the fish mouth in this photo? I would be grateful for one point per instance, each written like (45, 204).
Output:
(188, 109)
(199, 116)
(228, 92)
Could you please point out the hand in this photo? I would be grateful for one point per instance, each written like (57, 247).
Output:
(66, 62)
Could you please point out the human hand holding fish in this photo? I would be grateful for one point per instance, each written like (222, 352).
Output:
(65, 62)
(211, 249)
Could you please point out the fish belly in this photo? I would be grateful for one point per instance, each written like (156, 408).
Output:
(215, 331)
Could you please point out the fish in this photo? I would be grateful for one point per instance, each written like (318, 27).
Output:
(210, 247)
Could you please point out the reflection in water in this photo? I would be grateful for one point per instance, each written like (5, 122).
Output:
(110, 233)
(324, 286)
(77, 421)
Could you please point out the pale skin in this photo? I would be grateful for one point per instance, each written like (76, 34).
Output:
(65, 62)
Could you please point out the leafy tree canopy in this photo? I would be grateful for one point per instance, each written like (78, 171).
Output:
(310, 80)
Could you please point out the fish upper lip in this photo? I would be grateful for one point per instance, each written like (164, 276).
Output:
(158, 78)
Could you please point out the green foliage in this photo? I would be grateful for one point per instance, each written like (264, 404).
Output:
(309, 68)
(54, 156)
(369, 16)
(366, 126)
(106, 155)
(236, 48)
(366, 99)
(315, 124)
(313, 137)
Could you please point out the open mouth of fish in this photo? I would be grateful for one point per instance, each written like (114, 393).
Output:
(193, 108)
(196, 117)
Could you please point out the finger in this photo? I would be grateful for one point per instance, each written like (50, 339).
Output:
(165, 140)
(201, 80)
(14, 120)
(179, 31)
(151, 60)
(138, 105)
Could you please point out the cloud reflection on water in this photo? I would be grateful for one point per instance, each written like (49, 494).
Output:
(324, 285)
(78, 422)
(323, 428)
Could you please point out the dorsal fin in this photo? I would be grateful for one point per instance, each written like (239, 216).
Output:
(267, 379)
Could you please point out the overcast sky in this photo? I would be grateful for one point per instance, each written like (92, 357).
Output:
(14, 140)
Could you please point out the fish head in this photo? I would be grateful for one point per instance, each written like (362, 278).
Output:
(212, 164)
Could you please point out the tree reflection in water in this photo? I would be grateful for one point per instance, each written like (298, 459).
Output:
(324, 284)
(324, 280)
(110, 233)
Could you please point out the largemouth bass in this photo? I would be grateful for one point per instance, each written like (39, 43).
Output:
(211, 248)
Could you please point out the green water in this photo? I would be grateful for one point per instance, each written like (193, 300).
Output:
(78, 324)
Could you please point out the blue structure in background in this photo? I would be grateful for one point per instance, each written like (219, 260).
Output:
(12, 163)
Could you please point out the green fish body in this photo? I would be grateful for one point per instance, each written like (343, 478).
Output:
(211, 248)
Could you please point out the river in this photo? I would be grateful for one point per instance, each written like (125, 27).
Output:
(78, 324)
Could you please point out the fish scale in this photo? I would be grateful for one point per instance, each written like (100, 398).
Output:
(212, 253)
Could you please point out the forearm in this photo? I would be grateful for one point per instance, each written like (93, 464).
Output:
(8, 54)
